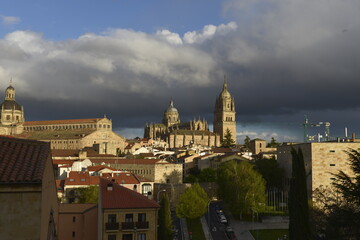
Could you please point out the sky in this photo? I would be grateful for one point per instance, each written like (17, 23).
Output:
(127, 59)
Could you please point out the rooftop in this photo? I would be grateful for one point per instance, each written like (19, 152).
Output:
(22, 161)
(123, 198)
(65, 121)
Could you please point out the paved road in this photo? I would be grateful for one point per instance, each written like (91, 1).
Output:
(217, 228)
(178, 235)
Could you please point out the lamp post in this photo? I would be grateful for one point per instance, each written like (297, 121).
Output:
(158, 194)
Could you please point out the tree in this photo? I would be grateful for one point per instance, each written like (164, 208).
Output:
(271, 171)
(192, 203)
(207, 175)
(247, 142)
(273, 143)
(165, 221)
(299, 226)
(228, 141)
(337, 210)
(88, 195)
(241, 187)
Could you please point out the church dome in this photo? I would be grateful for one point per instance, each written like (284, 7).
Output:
(171, 108)
(8, 104)
(10, 88)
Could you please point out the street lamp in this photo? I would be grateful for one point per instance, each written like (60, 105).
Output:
(158, 194)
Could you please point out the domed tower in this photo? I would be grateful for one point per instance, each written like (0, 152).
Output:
(224, 114)
(11, 112)
(171, 115)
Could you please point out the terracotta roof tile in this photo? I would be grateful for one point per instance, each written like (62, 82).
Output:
(64, 121)
(22, 161)
(99, 167)
(123, 198)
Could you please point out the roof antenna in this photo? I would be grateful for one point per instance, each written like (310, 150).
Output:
(10, 81)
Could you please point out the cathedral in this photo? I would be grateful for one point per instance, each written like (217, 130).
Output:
(197, 132)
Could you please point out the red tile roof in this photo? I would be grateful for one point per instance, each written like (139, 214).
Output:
(64, 121)
(128, 161)
(22, 161)
(81, 178)
(121, 178)
(99, 167)
(123, 198)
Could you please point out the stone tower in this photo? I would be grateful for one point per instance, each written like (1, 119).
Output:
(224, 115)
(171, 115)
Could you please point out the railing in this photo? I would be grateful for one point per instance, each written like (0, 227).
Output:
(142, 225)
(112, 226)
(134, 225)
(127, 225)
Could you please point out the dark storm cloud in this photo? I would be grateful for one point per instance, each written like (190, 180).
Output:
(282, 60)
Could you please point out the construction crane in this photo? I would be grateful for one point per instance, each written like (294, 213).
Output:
(306, 125)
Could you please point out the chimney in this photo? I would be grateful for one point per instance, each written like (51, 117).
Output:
(109, 187)
(353, 137)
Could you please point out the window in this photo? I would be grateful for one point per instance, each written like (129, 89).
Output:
(127, 237)
(112, 237)
(141, 236)
(142, 217)
(112, 218)
(74, 219)
(332, 178)
(71, 180)
(7, 117)
(332, 150)
(129, 217)
(146, 188)
(332, 165)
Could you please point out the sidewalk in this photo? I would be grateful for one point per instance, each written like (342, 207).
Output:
(184, 229)
(205, 228)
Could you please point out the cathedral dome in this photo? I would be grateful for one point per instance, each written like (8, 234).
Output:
(9, 104)
(171, 108)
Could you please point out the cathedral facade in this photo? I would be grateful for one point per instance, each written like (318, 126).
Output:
(178, 134)
(197, 132)
(224, 114)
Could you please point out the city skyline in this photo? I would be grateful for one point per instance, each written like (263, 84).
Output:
(127, 60)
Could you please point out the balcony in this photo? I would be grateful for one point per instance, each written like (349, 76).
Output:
(112, 226)
(134, 225)
(127, 225)
(142, 225)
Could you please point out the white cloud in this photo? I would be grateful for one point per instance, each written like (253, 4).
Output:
(10, 20)
(208, 32)
(171, 37)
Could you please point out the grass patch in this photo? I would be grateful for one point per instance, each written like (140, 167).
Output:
(269, 234)
(194, 226)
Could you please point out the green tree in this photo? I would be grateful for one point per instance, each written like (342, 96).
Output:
(271, 171)
(241, 187)
(299, 226)
(228, 141)
(273, 143)
(207, 175)
(88, 195)
(247, 142)
(165, 221)
(192, 203)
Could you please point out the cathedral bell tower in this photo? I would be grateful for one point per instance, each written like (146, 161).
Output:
(224, 115)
